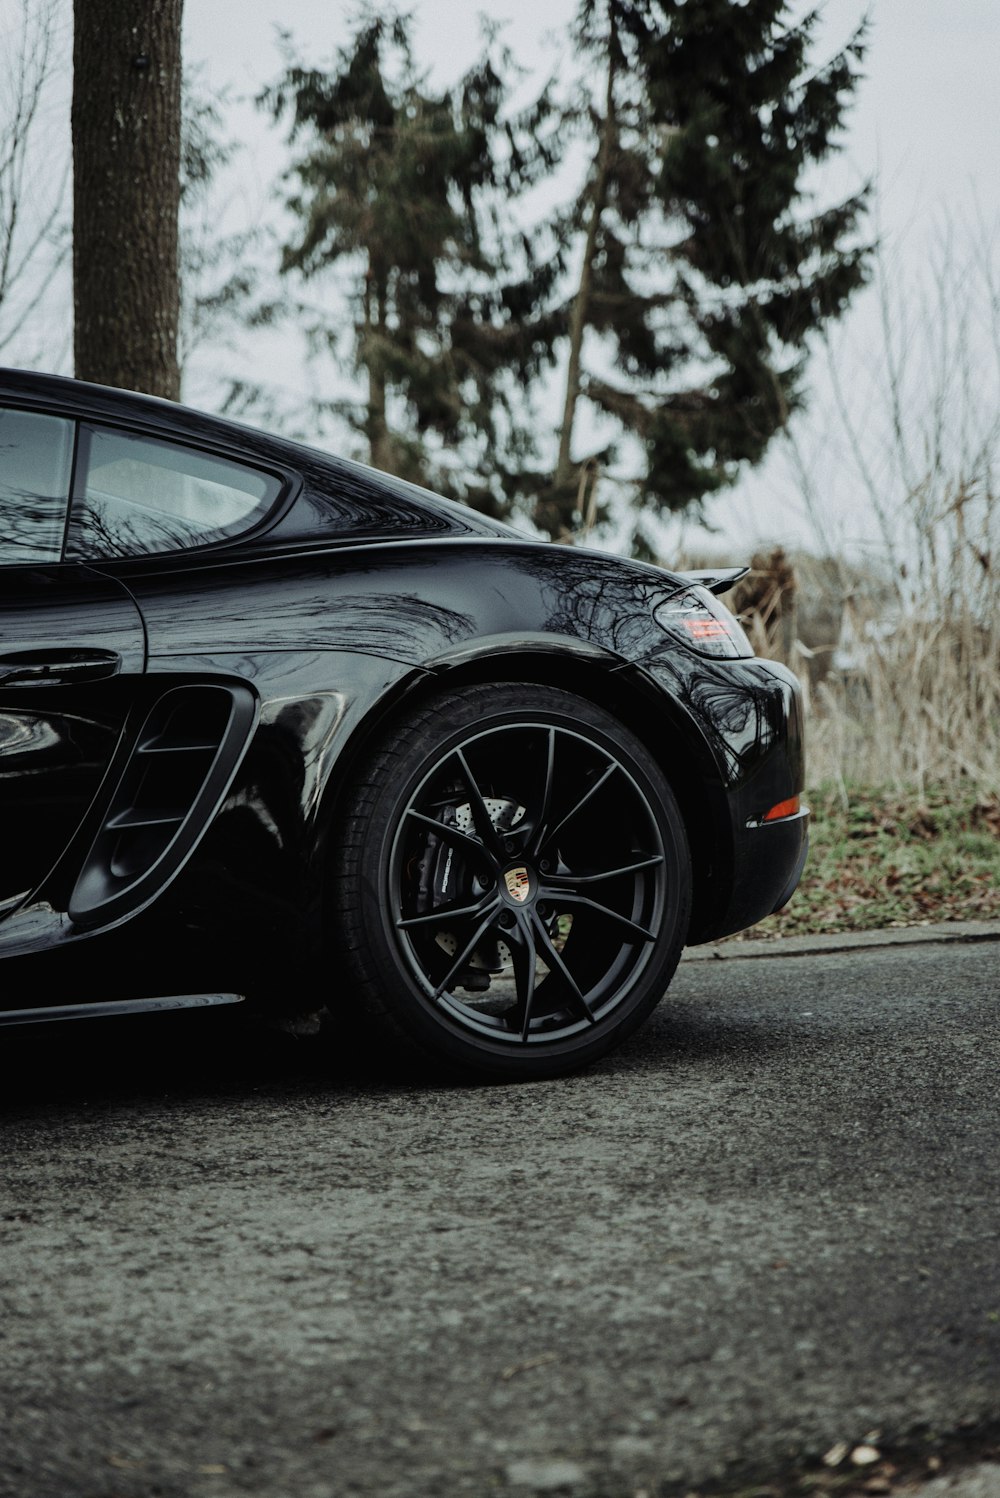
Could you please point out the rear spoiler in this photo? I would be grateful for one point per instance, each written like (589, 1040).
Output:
(717, 579)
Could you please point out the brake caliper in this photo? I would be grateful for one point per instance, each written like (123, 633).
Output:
(446, 877)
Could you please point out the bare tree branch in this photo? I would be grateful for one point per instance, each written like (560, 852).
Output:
(34, 237)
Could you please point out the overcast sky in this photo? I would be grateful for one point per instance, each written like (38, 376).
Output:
(926, 116)
(925, 127)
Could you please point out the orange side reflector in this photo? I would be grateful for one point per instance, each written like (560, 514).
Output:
(783, 809)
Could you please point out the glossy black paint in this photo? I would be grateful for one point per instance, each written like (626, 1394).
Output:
(358, 597)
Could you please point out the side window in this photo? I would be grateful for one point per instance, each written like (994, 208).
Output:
(135, 495)
(36, 455)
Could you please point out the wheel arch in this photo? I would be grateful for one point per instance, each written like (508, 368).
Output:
(643, 706)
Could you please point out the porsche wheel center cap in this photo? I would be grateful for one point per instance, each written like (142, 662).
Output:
(519, 883)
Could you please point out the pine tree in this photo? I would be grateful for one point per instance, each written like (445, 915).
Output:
(702, 270)
(402, 189)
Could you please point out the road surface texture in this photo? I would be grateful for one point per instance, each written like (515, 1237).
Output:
(768, 1226)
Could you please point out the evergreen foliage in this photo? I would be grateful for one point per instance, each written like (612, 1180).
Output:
(702, 272)
(674, 296)
(406, 189)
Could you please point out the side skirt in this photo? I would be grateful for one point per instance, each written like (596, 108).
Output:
(111, 1007)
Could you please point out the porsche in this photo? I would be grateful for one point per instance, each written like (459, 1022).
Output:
(279, 729)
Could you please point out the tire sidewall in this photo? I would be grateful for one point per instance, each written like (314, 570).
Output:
(450, 725)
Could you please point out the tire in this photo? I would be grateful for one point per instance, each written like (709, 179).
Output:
(511, 883)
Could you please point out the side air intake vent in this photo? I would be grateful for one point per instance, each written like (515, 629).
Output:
(180, 769)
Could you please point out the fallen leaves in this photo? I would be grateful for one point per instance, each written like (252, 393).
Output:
(864, 1453)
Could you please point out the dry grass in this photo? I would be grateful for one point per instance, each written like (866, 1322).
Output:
(900, 661)
(903, 742)
(898, 646)
(899, 653)
(920, 707)
(902, 682)
(919, 701)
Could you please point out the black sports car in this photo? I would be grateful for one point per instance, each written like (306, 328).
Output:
(275, 726)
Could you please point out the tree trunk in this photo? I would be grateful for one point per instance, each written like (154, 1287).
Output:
(581, 302)
(126, 120)
(381, 452)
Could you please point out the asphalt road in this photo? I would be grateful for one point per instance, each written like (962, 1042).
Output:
(768, 1225)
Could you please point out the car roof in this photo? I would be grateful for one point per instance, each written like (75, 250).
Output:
(170, 419)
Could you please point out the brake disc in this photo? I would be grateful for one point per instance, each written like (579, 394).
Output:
(445, 870)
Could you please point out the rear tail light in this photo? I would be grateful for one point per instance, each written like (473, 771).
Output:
(704, 624)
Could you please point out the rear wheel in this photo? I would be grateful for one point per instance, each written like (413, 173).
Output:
(511, 883)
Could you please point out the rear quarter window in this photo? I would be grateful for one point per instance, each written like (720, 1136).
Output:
(134, 496)
(36, 456)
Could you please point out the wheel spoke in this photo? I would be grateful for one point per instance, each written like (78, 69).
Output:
(587, 796)
(571, 881)
(453, 912)
(448, 834)
(522, 955)
(541, 822)
(480, 815)
(567, 897)
(554, 960)
(466, 952)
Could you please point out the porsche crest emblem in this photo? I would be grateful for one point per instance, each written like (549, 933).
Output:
(518, 884)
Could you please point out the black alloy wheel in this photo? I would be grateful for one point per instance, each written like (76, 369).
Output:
(513, 882)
